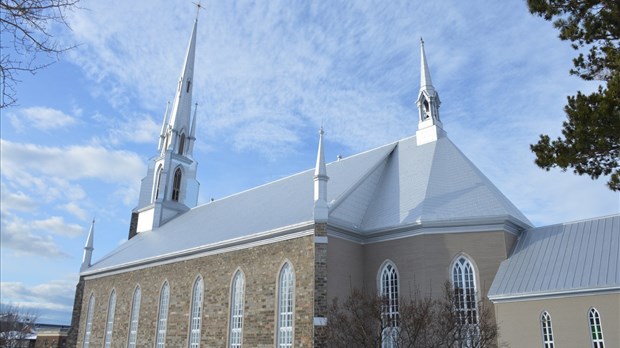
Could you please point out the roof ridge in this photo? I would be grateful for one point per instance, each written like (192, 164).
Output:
(338, 201)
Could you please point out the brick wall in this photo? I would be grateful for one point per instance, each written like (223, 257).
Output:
(261, 266)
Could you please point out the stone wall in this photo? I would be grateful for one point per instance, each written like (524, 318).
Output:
(261, 266)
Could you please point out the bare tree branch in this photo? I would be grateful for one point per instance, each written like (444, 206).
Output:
(27, 43)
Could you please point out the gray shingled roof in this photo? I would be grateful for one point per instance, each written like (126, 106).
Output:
(582, 256)
(396, 185)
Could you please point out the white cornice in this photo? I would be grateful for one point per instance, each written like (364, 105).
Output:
(269, 237)
(554, 294)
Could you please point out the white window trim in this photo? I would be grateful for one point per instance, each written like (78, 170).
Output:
(134, 317)
(279, 311)
(389, 334)
(109, 326)
(88, 329)
(546, 323)
(474, 270)
(237, 292)
(596, 342)
(162, 323)
(195, 314)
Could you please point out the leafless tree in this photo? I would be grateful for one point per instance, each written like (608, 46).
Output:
(16, 325)
(422, 322)
(27, 43)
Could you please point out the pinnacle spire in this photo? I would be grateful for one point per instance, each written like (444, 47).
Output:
(181, 107)
(88, 248)
(429, 124)
(425, 73)
(321, 210)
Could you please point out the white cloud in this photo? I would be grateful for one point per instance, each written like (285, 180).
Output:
(11, 201)
(17, 236)
(71, 163)
(56, 295)
(57, 225)
(75, 210)
(42, 118)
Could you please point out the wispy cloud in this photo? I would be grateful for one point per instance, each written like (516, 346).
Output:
(55, 295)
(18, 236)
(71, 162)
(57, 225)
(42, 118)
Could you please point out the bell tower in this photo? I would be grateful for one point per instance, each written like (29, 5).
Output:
(429, 124)
(170, 187)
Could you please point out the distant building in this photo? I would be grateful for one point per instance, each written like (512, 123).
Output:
(258, 268)
(51, 336)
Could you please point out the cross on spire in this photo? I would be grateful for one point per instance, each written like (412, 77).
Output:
(198, 7)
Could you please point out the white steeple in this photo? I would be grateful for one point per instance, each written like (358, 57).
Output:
(429, 124)
(321, 210)
(180, 116)
(88, 248)
(170, 187)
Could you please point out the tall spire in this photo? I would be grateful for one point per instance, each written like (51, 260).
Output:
(429, 124)
(321, 210)
(88, 248)
(170, 188)
(181, 107)
(425, 73)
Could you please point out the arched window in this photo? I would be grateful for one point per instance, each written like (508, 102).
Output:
(133, 321)
(158, 182)
(547, 331)
(236, 311)
(176, 186)
(181, 143)
(389, 307)
(196, 314)
(162, 317)
(89, 321)
(463, 281)
(596, 329)
(286, 299)
(110, 321)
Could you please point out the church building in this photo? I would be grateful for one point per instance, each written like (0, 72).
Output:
(259, 268)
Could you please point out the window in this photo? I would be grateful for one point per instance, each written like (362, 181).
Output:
(547, 332)
(463, 281)
(465, 290)
(158, 182)
(181, 143)
(176, 186)
(89, 321)
(596, 329)
(162, 318)
(286, 297)
(110, 321)
(189, 83)
(196, 314)
(133, 321)
(389, 308)
(236, 311)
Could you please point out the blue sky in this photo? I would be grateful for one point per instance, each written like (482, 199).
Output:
(267, 75)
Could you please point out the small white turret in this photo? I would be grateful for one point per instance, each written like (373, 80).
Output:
(429, 124)
(88, 248)
(321, 210)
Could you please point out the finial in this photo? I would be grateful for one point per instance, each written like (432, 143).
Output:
(421, 41)
(321, 132)
(198, 8)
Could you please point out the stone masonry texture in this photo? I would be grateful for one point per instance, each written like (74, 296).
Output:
(261, 266)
